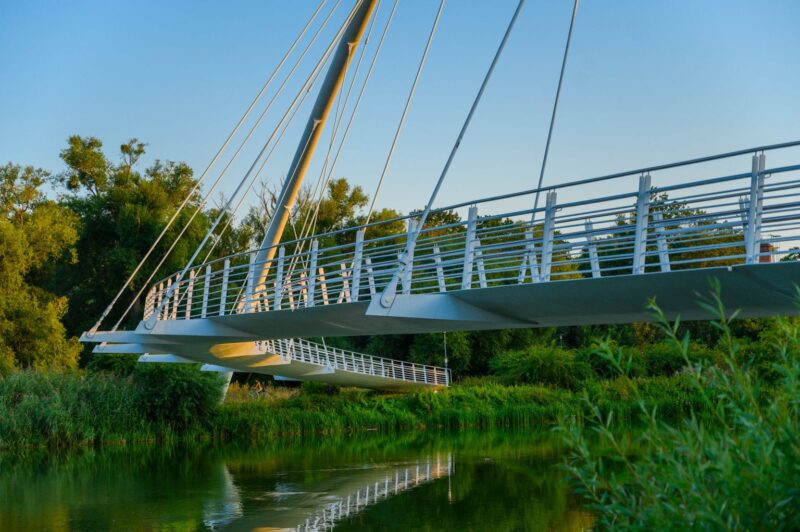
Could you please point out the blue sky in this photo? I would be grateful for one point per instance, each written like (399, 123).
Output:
(647, 82)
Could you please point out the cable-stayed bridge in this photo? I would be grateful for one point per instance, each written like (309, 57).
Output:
(508, 262)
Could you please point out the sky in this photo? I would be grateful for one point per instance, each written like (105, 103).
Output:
(647, 82)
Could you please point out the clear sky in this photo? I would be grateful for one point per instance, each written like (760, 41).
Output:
(647, 82)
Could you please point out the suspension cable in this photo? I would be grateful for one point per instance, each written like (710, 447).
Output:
(555, 108)
(202, 177)
(391, 289)
(308, 229)
(225, 169)
(319, 191)
(405, 111)
(241, 184)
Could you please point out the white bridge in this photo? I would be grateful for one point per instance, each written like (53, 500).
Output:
(500, 262)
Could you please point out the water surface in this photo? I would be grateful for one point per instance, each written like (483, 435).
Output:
(424, 481)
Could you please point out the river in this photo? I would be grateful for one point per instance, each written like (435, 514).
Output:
(496, 480)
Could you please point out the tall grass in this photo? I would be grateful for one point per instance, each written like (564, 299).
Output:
(85, 408)
(733, 463)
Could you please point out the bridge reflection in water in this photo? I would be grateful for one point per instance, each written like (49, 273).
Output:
(324, 503)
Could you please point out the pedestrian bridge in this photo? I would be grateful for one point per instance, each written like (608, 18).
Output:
(579, 259)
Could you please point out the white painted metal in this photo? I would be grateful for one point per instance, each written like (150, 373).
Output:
(594, 260)
(469, 248)
(640, 232)
(661, 242)
(548, 235)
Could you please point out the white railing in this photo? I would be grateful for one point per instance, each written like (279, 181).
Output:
(645, 226)
(343, 360)
(395, 482)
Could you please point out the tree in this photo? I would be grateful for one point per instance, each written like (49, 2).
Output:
(34, 232)
(122, 212)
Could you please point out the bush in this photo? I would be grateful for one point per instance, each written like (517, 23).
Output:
(734, 467)
(177, 394)
(547, 365)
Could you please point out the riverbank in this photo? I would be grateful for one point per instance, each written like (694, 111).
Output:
(74, 409)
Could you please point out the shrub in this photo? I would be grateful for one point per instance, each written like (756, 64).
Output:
(734, 467)
(177, 394)
(547, 365)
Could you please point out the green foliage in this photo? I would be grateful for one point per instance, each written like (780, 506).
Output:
(33, 233)
(176, 394)
(121, 365)
(547, 365)
(732, 464)
(122, 212)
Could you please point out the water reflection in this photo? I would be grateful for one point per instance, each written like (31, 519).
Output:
(498, 481)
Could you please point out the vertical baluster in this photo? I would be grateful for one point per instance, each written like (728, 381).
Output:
(642, 214)
(548, 235)
(148, 302)
(323, 286)
(224, 289)
(206, 288)
(370, 276)
(479, 263)
(279, 279)
(189, 291)
(594, 260)
(312, 273)
(159, 295)
(755, 203)
(411, 227)
(437, 260)
(176, 299)
(472, 225)
(661, 241)
(359, 251)
(249, 282)
(303, 289)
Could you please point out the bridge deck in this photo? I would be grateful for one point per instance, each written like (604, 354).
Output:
(572, 262)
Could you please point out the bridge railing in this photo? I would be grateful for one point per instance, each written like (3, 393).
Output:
(656, 220)
(341, 359)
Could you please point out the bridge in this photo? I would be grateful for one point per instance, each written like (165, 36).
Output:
(505, 262)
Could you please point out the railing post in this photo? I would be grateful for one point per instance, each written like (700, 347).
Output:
(529, 259)
(359, 251)
(223, 297)
(548, 235)
(594, 260)
(189, 290)
(661, 241)
(279, 280)
(472, 227)
(642, 214)
(323, 286)
(753, 233)
(479, 263)
(206, 288)
(148, 302)
(344, 294)
(437, 260)
(249, 282)
(370, 277)
(159, 295)
(176, 299)
(312, 272)
(407, 271)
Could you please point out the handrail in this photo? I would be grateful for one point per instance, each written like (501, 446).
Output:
(311, 352)
(633, 232)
